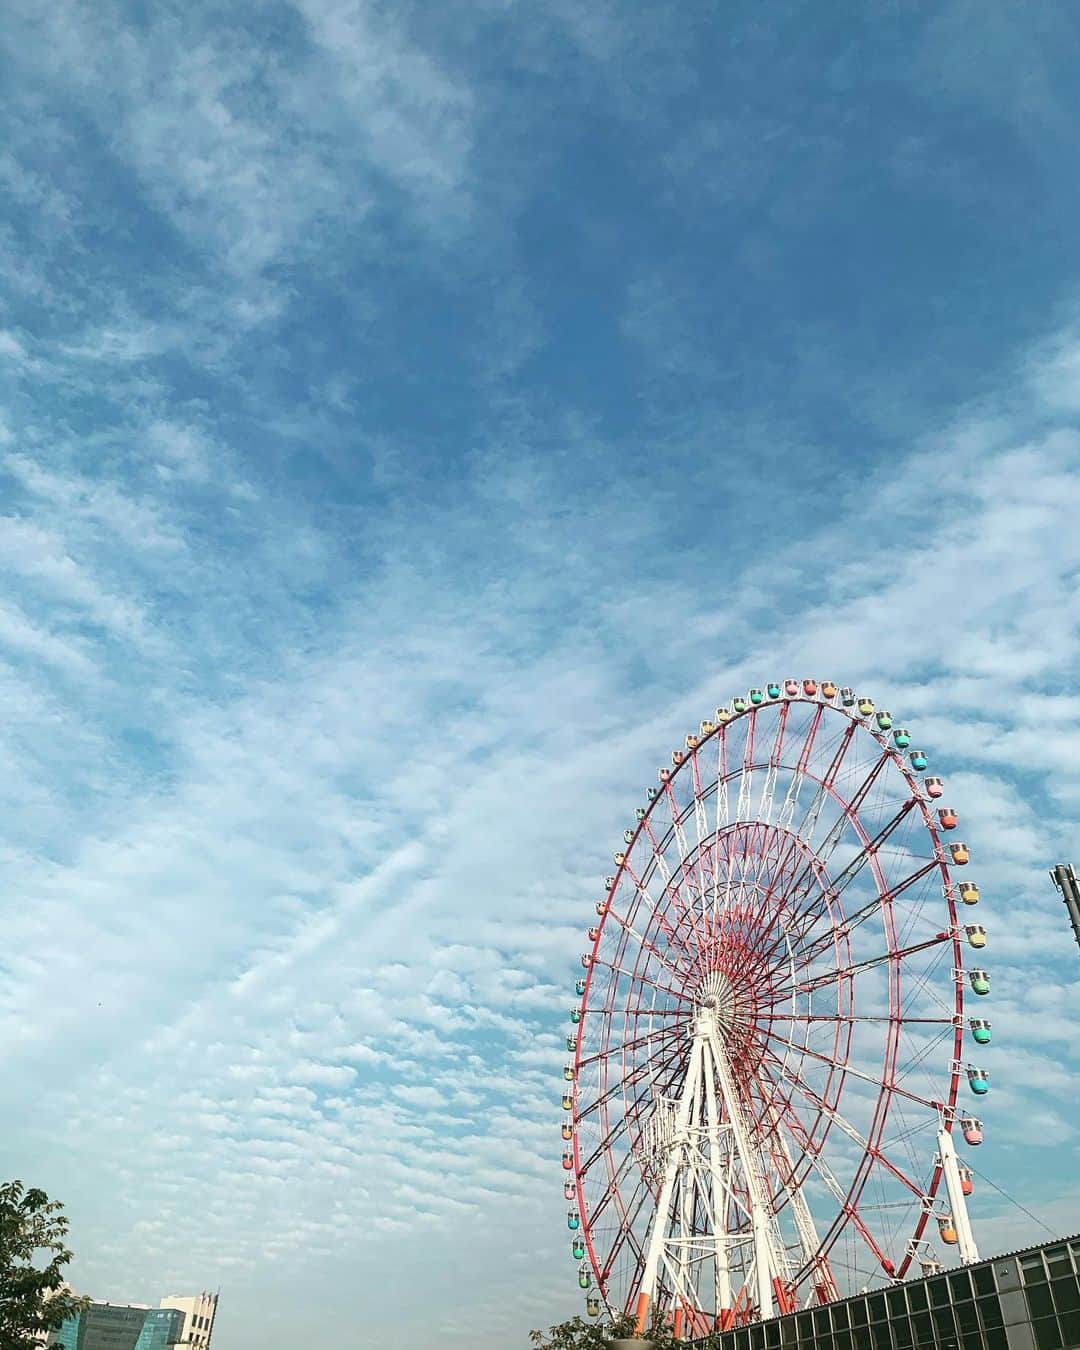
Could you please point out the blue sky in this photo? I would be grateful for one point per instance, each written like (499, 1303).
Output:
(414, 419)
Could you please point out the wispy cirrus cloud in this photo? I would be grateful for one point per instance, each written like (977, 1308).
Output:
(401, 449)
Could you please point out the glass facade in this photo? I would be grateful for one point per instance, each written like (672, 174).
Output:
(162, 1327)
(116, 1326)
(1029, 1300)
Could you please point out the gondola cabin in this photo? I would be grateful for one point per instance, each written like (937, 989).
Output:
(592, 1306)
(947, 1230)
(934, 787)
(980, 1030)
(739, 704)
(568, 1162)
(584, 1277)
(594, 933)
(976, 935)
(884, 720)
(579, 987)
(573, 1220)
(847, 697)
(575, 1015)
(901, 738)
(692, 741)
(577, 1249)
(569, 1190)
(809, 688)
(948, 818)
(757, 696)
(567, 1131)
(978, 1080)
(961, 854)
(568, 1101)
(967, 1181)
(919, 760)
(972, 1131)
(866, 707)
(969, 893)
(773, 690)
(980, 981)
(791, 688)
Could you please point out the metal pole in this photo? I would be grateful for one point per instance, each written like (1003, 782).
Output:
(1065, 879)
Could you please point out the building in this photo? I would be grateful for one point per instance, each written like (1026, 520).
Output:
(199, 1311)
(120, 1326)
(1026, 1300)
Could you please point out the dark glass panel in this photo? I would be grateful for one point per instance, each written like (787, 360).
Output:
(1047, 1334)
(960, 1284)
(1070, 1328)
(1066, 1293)
(990, 1311)
(967, 1319)
(858, 1312)
(984, 1280)
(939, 1293)
(917, 1297)
(1039, 1300)
(876, 1304)
(996, 1339)
(840, 1315)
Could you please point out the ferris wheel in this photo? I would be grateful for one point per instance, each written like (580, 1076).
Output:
(770, 1045)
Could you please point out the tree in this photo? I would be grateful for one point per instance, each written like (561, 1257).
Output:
(33, 1300)
(579, 1334)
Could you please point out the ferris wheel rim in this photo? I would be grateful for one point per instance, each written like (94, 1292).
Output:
(885, 1090)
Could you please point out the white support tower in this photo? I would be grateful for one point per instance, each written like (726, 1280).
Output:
(965, 1238)
(717, 1181)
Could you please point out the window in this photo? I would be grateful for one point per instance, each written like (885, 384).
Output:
(960, 1284)
(939, 1294)
(1058, 1262)
(917, 1298)
(1070, 1327)
(1066, 1294)
(984, 1280)
(840, 1315)
(990, 1311)
(1032, 1268)
(967, 1319)
(1039, 1300)
(858, 1313)
(1047, 1335)
(894, 1300)
(876, 1304)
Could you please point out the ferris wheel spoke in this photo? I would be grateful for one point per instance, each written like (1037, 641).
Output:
(802, 765)
(849, 816)
(772, 768)
(844, 1125)
(635, 978)
(849, 972)
(820, 944)
(843, 1199)
(861, 1074)
(610, 1051)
